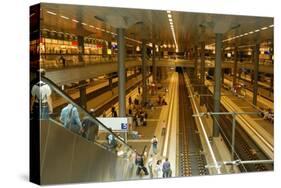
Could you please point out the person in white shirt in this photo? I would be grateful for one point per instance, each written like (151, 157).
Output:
(41, 101)
(154, 142)
(158, 169)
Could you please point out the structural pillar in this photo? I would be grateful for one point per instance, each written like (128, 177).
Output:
(202, 72)
(195, 62)
(217, 91)
(256, 73)
(110, 82)
(80, 40)
(83, 94)
(222, 76)
(143, 70)
(121, 72)
(235, 66)
(153, 63)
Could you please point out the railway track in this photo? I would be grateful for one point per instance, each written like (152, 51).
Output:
(245, 148)
(191, 160)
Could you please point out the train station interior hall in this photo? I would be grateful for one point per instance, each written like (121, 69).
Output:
(144, 94)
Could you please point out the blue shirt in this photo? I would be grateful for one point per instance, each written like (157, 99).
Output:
(166, 165)
(74, 116)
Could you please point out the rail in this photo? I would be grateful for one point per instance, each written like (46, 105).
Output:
(215, 162)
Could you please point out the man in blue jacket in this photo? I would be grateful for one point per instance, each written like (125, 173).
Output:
(70, 118)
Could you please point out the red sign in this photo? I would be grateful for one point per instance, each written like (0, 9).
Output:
(74, 43)
(99, 46)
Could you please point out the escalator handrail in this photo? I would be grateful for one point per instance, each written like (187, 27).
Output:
(68, 98)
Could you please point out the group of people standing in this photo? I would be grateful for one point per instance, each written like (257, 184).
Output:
(156, 169)
(137, 112)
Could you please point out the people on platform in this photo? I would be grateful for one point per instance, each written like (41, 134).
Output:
(154, 143)
(166, 169)
(150, 165)
(62, 60)
(158, 169)
(140, 165)
(113, 111)
(130, 100)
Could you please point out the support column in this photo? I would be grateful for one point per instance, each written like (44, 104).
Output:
(202, 64)
(80, 40)
(217, 91)
(235, 66)
(256, 74)
(202, 72)
(121, 72)
(110, 82)
(222, 76)
(144, 72)
(195, 61)
(83, 94)
(153, 64)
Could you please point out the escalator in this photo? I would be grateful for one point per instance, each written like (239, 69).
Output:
(67, 157)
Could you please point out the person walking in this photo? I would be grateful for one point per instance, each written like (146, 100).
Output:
(154, 142)
(140, 164)
(149, 163)
(166, 168)
(62, 60)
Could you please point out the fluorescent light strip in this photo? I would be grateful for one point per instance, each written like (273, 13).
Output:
(75, 20)
(91, 26)
(168, 11)
(257, 30)
(53, 13)
(64, 17)
(169, 16)
(84, 23)
(264, 28)
(271, 25)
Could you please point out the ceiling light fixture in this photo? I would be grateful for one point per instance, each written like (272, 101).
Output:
(53, 13)
(75, 20)
(271, 25)
(257, 30)
(169, 16)
(64, 17)
(264, 28)
(84, 23)
(168, 11)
